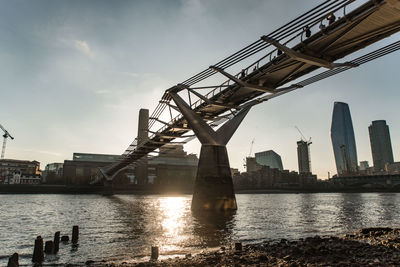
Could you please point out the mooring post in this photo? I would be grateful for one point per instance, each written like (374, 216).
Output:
(154, 253)
(48, 247)
(75, 234)
(64, 238)
(13, 260)
(56, 241)
(38, 255)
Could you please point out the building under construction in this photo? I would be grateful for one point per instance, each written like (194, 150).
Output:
(303, 156)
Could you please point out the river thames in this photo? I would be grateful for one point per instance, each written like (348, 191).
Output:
(124, 227)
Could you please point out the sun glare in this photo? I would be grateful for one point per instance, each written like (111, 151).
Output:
(174, 208)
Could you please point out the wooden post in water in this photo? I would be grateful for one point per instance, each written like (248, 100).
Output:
(154, 253)
(56, 242)
(48, 247)
(38, 255)
(13, 261)
(75, 234)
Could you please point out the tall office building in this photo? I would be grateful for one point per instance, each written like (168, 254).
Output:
(381, 146)
(343, 141)
(269, 158)
(303, 156)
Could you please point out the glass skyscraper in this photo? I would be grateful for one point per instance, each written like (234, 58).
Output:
(381, 145)
(269, 158)
(343, 141)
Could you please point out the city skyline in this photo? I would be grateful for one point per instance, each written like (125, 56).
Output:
(74, 85)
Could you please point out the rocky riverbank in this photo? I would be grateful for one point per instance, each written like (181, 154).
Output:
(366, 247)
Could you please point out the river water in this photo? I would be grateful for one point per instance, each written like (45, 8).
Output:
(124, 227)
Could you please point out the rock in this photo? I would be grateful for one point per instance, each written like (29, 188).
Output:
(287, 258)
(64, 238)
(262, 258)
(238, 246)
(88, 262)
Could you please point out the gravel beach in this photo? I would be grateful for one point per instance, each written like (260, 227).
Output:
(366, 247)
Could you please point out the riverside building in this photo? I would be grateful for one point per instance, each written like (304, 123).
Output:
(381, 146)
(269, 158)
(84, 167)
(343, 141)
(13, 171)
(173, 167)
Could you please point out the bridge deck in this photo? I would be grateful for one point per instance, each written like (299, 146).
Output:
(363, 26)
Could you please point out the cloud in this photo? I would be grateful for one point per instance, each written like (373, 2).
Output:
(83, 47)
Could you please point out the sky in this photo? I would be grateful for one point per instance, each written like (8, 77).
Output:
(74, 74)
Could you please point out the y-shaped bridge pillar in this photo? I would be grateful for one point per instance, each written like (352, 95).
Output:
(213, 189)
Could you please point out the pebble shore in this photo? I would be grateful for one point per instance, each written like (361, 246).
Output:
(366, 247)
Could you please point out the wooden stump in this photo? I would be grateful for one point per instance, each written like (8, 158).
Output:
(38, 255)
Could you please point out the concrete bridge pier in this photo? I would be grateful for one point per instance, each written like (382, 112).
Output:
(213, 189)
(108, 187)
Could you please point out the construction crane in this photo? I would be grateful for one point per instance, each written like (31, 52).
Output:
(251, 149)
(5, 136)
(251, 146)
(303, 137)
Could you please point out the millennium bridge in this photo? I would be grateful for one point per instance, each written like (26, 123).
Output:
(211, 104)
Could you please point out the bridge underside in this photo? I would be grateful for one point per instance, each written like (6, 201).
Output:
(285, 56)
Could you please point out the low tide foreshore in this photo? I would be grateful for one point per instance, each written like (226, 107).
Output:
(366, 247)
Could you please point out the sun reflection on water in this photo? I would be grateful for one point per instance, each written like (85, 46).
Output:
(174, 209)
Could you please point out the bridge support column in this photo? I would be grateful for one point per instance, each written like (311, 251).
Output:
(213, 188)
(108, 188)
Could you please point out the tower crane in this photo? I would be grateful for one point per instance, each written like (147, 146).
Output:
(303, 137)
(251, 146)
(251, 149)
(5, 136)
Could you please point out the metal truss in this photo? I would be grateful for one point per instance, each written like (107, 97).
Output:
(332, 30)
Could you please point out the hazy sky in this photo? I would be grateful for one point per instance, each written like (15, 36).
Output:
(74, 74)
